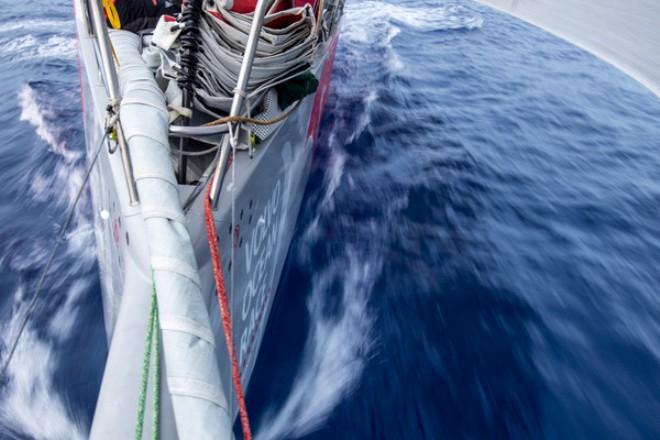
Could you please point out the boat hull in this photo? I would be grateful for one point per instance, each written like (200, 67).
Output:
(259, 204)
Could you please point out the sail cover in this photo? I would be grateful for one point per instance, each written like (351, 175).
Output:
(625, 33)
(191, 376)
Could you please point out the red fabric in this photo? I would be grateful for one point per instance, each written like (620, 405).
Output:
(225, 313)
(244, 6)
(283, 21)
(279, 6)
(301, 3)
(216, 14)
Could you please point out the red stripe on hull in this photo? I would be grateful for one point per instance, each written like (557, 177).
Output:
(322, 92)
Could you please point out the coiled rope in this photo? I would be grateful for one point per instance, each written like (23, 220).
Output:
(51, 257)
(225, 313)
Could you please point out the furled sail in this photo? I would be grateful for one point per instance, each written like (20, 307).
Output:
(625, 33)
(192, 381)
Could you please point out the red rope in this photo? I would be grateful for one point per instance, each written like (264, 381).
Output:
(225, 313)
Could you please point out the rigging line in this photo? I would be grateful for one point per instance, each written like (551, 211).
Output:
(213, 149)
(203, 180)
(249, 120)
(51, 258)
(233, 141)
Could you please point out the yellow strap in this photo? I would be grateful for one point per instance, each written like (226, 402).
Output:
(111, 12)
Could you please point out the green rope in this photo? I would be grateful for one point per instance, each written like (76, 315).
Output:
(152, 340)
(155, 427)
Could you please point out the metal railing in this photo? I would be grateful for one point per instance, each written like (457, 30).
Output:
(230, 140)
(112, 85)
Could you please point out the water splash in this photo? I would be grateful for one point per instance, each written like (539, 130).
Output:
(63, 171)
(61, 26)
(30, 404)
(31, 47)
(338, 346)
(363, 18)
(335, 351)
(44, 121)
(375, 25)
(339, 343)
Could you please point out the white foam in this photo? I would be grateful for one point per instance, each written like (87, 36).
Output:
(335, 352)
(61, 323)
(334, 174)
(365, 117)
(61, 26)
(58, 47)
(31, 47)
(337, 346)
(445, 16)
(63, 181)
(376, 24)
(35, 115)
(30, 403)
(39, 117)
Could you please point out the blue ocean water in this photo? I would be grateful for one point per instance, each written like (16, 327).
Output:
(476, 257)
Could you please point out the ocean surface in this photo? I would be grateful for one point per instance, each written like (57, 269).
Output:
(477, 256)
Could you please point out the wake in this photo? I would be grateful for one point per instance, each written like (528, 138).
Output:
(338, 347)
(30, 404)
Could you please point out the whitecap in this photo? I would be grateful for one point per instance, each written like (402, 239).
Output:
(31, 47)
(446, 16)
(60, 26)
(372, 24)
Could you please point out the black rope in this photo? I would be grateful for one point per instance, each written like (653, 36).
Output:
(189, 42)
